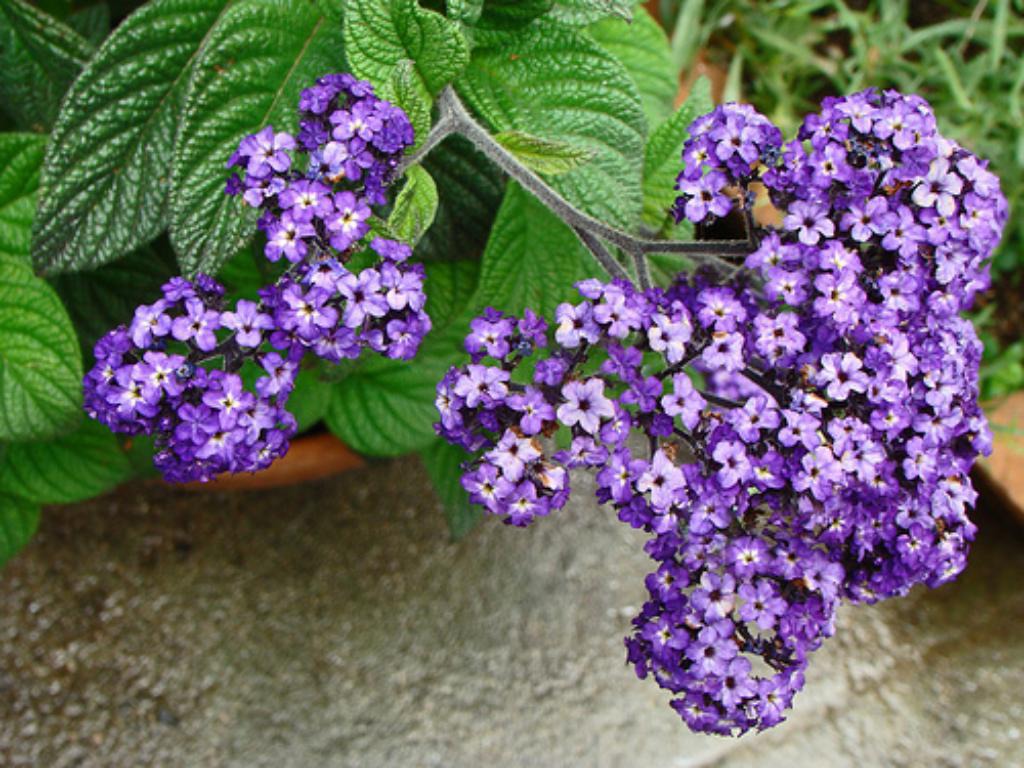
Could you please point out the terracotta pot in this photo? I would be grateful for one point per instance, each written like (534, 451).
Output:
(1002, 473)
(310, 457)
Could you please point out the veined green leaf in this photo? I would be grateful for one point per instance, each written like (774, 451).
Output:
(512, 14)
(40, 365)
(39, 57)
(74, 467)
(107, 171)
(381, 33)
(249, 73)
(101, 299)
(386, 407)
(406, 90)
(543, 155)
(532, 258)
(415, 206)
(92, 22)
(663, 154)
(581, 12)
(470, 189)
(557, 83)
(443, 463)
(21, 157)
(310, 399)
(19, 520)
(643, 49)
(466, 11)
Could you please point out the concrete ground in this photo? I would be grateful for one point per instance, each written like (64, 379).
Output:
(334, 624)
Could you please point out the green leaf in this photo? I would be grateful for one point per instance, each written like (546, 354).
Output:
(469, 189)
(559, 84)
(99, 300)
(512, 14)
(381, 33)
(40, 365)
(107, 171)
(21, 156)
(92, 22)
(78, 466)
(39, 57)
(407, 91)
(644, 50)
(310, 399)
(532, 258)
(466, 11)
(582, 12)
(543, 155)
(415, 206)
(663, 154)
(443, 463)
(248, 74)
(19, 520)
(246, 273)
(386, 407)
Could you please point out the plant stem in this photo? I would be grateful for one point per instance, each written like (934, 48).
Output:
(604, 258)
(454, 118)
(444, 128)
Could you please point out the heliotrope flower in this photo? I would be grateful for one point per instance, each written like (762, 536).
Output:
(807, 424)
(175, 372)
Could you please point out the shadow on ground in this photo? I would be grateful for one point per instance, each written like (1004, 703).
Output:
(334, 624)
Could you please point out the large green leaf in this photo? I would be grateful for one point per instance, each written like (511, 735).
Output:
(469, 190)
(663, 154)
(443, 463)
(466, 11)
(40, 365)
(39, 57)
(557, 83)
(643, 48)
(92, 22)
(248, 74)
(101, 299)
(406, 90)
(532, 258)
(379, 34)
(580, 12)
(512, 14)
(310, 399)
(21, 156)
(106, 178)
(78, 466)
(386, 407)
(19, 520)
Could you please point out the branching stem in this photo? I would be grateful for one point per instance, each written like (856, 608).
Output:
(455, 119)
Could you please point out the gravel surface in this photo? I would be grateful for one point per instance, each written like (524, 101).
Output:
(334, 624)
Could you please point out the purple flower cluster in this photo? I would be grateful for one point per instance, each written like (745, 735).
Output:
(809, 423)
(334, 313)
(347, 147)
(148, 379)
(175, 371)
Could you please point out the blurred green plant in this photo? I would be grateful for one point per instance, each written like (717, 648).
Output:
(967, 59)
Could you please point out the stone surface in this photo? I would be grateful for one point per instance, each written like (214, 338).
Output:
(334, 624)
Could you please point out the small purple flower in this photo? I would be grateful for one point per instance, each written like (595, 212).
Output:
(810, 221)
(197, 325)
(535, 408)
(585, 405)
(247, 322)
